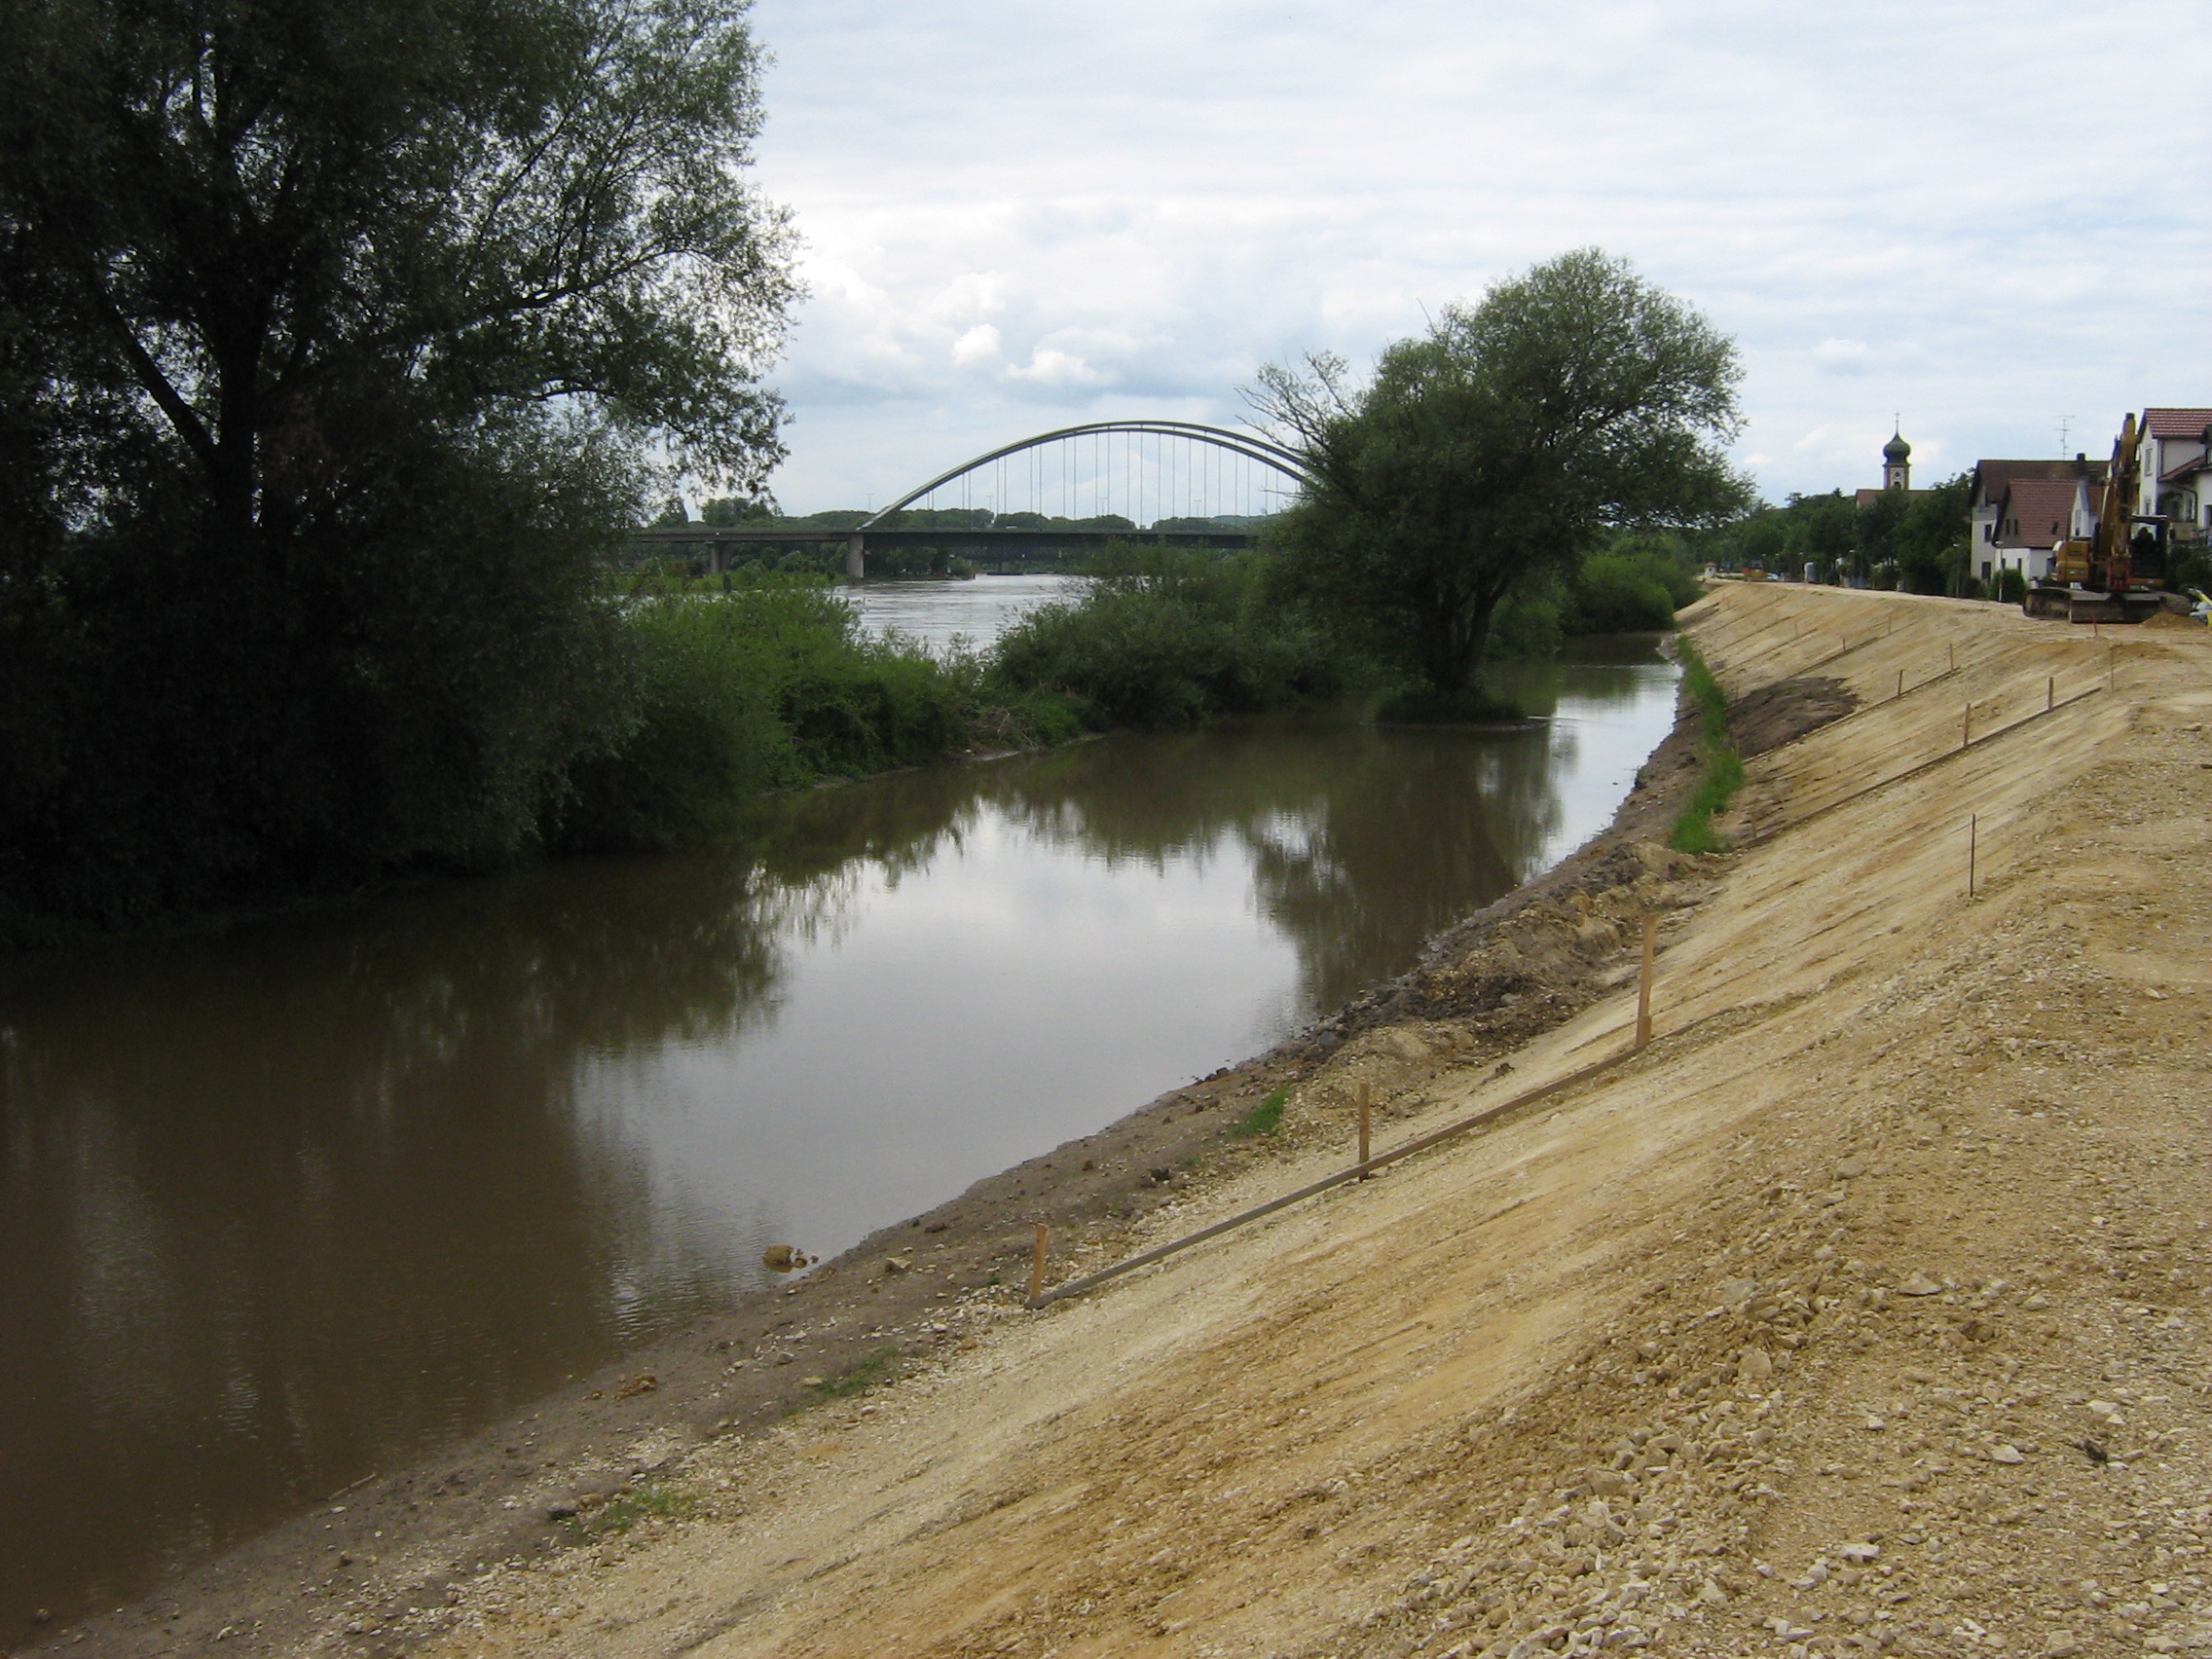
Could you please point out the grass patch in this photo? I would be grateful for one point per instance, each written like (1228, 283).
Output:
(1424, 705)
(1724, 766)
(871, 1371)
(1264, 1118)
(656, 1501)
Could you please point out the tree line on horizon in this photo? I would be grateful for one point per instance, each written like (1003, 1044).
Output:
(1917, 542)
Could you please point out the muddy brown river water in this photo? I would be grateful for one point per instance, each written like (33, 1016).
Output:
(290, 1207)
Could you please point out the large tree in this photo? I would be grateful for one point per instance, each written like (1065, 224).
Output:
(336, 337)
(1933, 536)
(1504, 443)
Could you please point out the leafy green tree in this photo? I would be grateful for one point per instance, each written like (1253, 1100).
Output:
(1819, 532)
(1505, 443)
(337, 339)
(1932, 535)
(726, 511)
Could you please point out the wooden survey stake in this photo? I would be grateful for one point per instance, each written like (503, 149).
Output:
(1643, 985)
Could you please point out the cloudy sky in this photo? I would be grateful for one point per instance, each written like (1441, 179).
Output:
(1989, 218)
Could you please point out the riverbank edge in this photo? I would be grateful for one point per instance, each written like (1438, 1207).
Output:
(560, 1470)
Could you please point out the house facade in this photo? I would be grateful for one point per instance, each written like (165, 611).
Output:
(2018, 510)
(2174, 462)
(2034, 517)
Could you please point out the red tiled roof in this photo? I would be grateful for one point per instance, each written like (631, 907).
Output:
(2176, 422)
(1990, 477)
(2037, 512)
(2201, 463)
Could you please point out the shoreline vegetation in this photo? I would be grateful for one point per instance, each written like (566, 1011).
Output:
(725, 689)
(764, 680)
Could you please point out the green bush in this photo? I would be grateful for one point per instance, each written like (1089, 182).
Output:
(2011, 586)
(1164, 639)
(1636, 585)
(765, 685)
(1617, 594)
(2188, 566)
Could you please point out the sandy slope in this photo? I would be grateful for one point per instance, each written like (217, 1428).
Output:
(1865, 1311)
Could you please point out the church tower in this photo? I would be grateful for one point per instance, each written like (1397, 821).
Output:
(1896, 463)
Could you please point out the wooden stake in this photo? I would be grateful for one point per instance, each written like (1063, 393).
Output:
(1900, 683)
(1954, 650)
(1643, 985)
(1971, 828)
(2049, 692)
(1965, 728)
(1366, 1103)
(1037, 1266)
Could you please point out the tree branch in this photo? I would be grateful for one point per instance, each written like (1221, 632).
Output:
(148, 373)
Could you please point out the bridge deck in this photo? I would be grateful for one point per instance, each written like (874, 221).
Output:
(995, 542)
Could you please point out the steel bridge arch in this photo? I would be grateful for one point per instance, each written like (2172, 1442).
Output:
(1261, 450)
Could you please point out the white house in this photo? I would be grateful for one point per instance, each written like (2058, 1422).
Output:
(2033, 516)
(2174, 460)
(2017, 535)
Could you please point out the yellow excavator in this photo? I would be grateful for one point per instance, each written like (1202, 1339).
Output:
(2117, 574)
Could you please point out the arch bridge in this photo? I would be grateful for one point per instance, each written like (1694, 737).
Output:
(1110, 480)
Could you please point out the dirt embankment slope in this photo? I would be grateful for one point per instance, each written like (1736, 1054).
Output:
(1866, 1311)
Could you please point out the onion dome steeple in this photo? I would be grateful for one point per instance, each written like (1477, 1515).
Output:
(1897, 463)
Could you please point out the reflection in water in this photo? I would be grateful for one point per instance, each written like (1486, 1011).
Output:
(286, 1207)
(936, 614)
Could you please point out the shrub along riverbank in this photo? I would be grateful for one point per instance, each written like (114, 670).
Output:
(767, 683)
(1164, 639)
(770, 684)
(713, 692)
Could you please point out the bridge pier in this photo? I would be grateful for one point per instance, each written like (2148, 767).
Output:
(856, 557)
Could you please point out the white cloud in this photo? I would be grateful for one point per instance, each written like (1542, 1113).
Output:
(1143, 202)
(980, 344)
(1050, 367)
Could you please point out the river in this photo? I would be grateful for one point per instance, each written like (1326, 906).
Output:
(297, 1202)
(939, 614)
